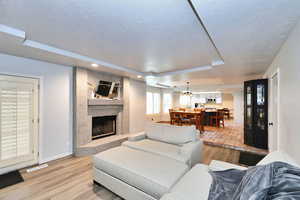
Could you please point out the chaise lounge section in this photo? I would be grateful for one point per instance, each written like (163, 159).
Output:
(137, 175)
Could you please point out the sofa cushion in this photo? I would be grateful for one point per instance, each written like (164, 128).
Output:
(193, 185)
(180, 134)
(278, 156)
(151, 173)
(159, 148)
(170, 133)
(154, 131)
(137, 136)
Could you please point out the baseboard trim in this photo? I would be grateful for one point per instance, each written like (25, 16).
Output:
(56, 157)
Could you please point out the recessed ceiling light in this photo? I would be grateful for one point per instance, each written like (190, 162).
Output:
(94, 65)
(139, 76)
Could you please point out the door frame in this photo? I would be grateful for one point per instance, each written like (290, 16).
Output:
(276, 72)
(38, 127)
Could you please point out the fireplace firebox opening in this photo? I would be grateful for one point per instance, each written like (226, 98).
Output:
(103, 126)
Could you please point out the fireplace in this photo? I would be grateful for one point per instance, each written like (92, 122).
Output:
(103, 126)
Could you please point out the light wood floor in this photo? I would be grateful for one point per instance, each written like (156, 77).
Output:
(71, 178)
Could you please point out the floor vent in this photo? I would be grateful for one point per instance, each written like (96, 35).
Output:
(37, 168)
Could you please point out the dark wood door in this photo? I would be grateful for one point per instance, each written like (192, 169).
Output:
(256, 113)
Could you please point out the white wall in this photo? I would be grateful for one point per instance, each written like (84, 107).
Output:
(288, 62)
(137, 106)
(238, 106)
(227, 100)
(176, 100)
(56, 119)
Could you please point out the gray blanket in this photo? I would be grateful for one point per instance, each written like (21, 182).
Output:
(276, 181)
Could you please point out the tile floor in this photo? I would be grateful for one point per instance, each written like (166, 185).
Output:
(231, 136)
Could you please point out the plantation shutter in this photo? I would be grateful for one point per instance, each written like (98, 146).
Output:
(17, 118)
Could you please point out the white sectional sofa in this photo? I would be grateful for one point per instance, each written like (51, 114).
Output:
(195, 184)
(162, 163)
(149, 164)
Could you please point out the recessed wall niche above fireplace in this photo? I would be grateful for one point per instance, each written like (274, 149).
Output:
(103, 126)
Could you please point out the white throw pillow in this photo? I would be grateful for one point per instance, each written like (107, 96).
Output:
(154, 131)
(171, 134)
(180, 134)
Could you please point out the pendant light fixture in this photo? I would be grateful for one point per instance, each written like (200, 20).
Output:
(188, 92)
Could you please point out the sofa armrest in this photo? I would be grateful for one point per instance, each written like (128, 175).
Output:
(216, 165)
(194, 151)
(194, 185)
(137, 136)
(171, 196)
(278, 156)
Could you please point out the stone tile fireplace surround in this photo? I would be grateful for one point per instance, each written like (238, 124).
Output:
(106, 111)
(86, 109)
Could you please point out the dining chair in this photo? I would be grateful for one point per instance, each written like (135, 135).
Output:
(199, 122)
(172, 116)
(226, 113)
(218, 118)
(221, 120)
(189, 119)
(182, 118)
(175, 118)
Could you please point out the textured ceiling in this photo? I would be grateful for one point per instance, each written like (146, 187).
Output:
(247, 33)
(156, 36)
(147, 36)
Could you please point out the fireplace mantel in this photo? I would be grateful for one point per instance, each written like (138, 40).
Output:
(105, 102)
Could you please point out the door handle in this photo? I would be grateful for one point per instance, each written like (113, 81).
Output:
(271, 124)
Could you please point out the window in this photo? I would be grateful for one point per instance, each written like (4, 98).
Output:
(197, 98)
(219, 100)
(202, 100)
(156, 103)
(149, 103)
(18, 120)
(153, 103)
(185, 100)
(167, 102)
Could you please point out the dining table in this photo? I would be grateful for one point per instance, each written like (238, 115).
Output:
(206, 118)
